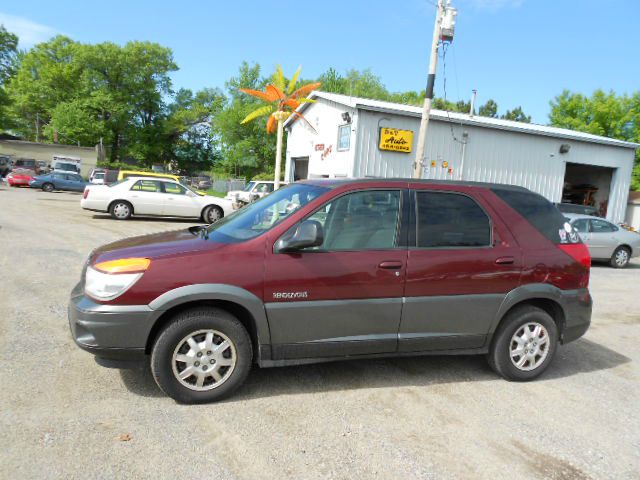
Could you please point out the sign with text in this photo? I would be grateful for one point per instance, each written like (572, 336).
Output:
(396, 140)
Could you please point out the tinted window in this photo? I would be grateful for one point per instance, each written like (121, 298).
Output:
(539, 212)
(147, 186)
(581, 225)
(451, 220)
(600, 226)
(364, 220)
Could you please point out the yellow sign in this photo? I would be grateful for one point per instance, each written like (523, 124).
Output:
(396, 140)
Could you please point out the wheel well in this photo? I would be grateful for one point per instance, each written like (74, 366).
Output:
(624, 245)
(552, 307)
(119, 200)
(238, 311)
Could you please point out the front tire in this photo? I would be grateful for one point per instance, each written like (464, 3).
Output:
(47, 187)
(202, 356)
(212, 214)
(620, 257)
(121, 210)
(524, 344)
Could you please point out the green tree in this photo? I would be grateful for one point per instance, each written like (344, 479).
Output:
(245, 150)
(606, 114)
(489, 109)
(517, 115)
(8, 60)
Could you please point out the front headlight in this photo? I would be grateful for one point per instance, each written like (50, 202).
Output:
(109, 280)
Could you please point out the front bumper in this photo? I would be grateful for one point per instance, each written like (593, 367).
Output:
(578, 306)
(115, 332)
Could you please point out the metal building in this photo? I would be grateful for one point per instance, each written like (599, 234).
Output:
(357, 137)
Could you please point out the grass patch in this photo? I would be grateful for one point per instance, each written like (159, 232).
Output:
(215, 193)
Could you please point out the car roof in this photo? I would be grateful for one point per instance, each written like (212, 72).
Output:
(576, 216)
(338, 182)
(155, 179)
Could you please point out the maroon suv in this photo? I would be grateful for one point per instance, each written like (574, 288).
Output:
(326, 270)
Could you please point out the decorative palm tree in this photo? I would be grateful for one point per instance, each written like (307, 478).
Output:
(280, 106)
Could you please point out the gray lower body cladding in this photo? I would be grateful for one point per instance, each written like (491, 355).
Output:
(302, 332)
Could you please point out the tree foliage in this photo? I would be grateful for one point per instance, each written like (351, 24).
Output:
(603, 113)
(8, 59)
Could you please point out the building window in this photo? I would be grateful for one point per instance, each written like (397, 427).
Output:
(344, 137)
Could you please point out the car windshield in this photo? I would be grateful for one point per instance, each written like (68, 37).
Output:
(249, 186)
(261, 216)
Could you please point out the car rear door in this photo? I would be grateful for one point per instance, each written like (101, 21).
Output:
(462, 262)
(602, 238)
(345, 297)
(147, 197)
(74, 182)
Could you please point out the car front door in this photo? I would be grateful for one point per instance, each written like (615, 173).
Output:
(344, 297)
(59, 181)
(147, 197)
(179, 202)
(462, 262)
(74, 182)
(602, 241)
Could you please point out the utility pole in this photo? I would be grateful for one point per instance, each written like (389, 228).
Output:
(443, 15)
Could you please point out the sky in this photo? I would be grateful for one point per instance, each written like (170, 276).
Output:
(518, 52)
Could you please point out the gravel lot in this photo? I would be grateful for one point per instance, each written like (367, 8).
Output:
(63, 416)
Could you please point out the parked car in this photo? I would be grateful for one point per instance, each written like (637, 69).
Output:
(254, 190)
(606, 241)
(59, 181)
(338, 269)
(153, 196)
(20, 177)
(5, 165)
(579, 209)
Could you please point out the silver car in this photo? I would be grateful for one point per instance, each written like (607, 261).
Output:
(605, 240)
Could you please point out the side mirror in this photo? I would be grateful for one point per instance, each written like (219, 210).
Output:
(307, 234)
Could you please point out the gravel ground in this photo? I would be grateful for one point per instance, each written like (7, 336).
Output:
(64, 416)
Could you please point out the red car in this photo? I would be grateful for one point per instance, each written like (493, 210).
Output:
(20, 178)
(337, 269)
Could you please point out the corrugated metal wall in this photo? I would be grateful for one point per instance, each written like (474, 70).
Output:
(491, 155)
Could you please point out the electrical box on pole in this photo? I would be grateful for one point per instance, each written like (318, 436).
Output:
(448, 26)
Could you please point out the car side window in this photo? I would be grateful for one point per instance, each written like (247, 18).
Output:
(174, 188)
(147, 186)
(366, 220)
(450, 220)
(582, 225)
(58, 176)
(601, 226)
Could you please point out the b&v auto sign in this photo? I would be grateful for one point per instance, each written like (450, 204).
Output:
(396, 140)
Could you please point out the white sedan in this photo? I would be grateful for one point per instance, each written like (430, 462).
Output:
(153, 197)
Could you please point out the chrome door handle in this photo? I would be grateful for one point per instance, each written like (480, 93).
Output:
(390, 265)
(505, 261)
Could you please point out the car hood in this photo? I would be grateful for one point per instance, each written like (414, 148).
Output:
(155, 245)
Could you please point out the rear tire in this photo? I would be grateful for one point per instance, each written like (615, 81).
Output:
(121, 210)
(212, 214)
(524, 345)
(620, 257)
(202, 356)
(47, 187)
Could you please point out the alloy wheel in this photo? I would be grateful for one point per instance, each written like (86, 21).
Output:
(622, 257)
(204, 360)
(529, 346)
(213, 215)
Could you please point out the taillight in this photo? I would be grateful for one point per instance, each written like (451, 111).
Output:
(580, 253)
(86, 193)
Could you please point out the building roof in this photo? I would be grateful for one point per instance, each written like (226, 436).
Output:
(463, 118)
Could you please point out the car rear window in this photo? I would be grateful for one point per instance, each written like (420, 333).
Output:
(540, 213)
